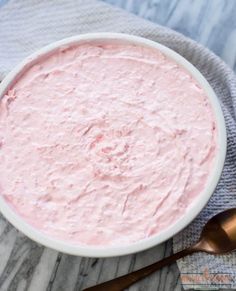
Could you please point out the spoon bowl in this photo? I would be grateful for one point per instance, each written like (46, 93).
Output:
(219, 234)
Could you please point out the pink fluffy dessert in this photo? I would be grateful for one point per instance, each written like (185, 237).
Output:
(105, 144)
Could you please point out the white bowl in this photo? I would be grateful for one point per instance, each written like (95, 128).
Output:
(192, 211)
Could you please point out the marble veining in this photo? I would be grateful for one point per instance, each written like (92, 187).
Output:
(27, 266)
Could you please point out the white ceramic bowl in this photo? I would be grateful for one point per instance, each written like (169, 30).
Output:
(193, 210)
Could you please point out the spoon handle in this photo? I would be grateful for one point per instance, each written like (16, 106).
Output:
(125, 281)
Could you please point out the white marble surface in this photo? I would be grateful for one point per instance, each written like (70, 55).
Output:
(24, 265)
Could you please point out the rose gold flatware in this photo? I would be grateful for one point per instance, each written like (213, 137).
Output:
(218, 237)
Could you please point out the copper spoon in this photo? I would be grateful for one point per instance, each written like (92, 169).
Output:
(218, 237)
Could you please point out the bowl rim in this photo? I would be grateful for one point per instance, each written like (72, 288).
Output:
(193, 210)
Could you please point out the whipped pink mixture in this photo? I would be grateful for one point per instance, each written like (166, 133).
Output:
(105, 144)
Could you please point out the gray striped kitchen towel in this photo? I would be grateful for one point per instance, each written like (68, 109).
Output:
(30, 24)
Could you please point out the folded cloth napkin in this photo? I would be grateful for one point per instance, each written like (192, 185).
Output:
(30, 24)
